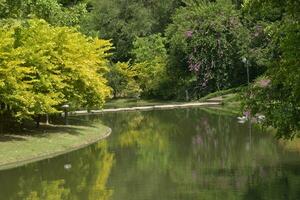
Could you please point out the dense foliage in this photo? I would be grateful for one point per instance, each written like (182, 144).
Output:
(150, 58)
(211, 37)
(43, 67)
(122, 80)
(50, 10)
(161, 49)
(277, 94)
(122, 21)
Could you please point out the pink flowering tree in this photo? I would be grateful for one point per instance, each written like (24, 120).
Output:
(212, 38)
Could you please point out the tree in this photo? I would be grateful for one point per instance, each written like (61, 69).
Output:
(42, 67)
(211, 39)
(121, 78)
(123, 21)
(277, 93)
(50, 10)
(150, 61)
(71, 2)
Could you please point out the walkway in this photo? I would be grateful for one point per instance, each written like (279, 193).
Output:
(143, 108)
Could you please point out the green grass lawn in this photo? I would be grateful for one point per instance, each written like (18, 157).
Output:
(230, 101)
(46, 141)
(222, 93)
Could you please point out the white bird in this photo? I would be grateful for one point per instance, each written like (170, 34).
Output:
(67, 166)
(260, 118)
(242, 119)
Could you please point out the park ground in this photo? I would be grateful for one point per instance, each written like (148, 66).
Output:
(45, 142)
(51, 140)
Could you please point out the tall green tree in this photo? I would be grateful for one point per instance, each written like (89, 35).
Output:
(50, 10)
(150, 61)
(211, 41)
(123, 21)
(277, 93)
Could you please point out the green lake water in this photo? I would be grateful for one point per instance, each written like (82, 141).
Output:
(180, 154)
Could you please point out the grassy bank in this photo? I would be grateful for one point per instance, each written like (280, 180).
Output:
(222, 93)
(45, 142)
(231, 106)
(228, 98)
(230, 102)
(131, 102)
(291, 145)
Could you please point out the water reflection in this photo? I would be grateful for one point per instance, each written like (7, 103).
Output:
(190, 154)
(49, 180)
(174, 154)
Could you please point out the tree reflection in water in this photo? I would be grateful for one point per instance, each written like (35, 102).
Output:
(171, 155)
(190, 154)
(86, 179)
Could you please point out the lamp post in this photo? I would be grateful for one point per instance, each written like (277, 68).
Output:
(47, 119)
(245, 61)
(65, 107)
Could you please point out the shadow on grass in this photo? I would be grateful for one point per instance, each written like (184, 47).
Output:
(9, 138)
(76, 127)
(48, 130)
(11, 131)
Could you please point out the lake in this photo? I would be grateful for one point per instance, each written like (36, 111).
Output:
(179, 154)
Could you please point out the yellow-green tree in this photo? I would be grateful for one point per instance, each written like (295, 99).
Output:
(150, 63)
(53, 11)
(42, 67)
(122, 80)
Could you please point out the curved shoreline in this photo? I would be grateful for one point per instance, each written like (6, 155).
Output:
(87, 142)
(14, 164)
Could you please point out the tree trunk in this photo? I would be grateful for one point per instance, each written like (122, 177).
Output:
(38, 119)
